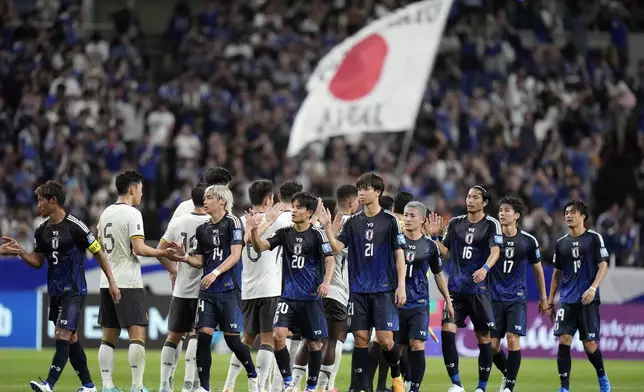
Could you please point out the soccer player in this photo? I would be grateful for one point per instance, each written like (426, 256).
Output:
(581, 264)
(379, 362)
(62, 240)
(509, 293)
(473, 242)
(218, 249)
(386, 202)
(212, 176)
(183, 305)
(421, 255)
(260, 293)
(306, 253)
(376, 277)
(120, 229)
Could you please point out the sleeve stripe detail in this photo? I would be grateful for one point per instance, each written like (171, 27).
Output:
(395, 219)
(496, 223)
(599, 236)
(322, 233)
(78, 223)
(162, 240)
(236, 221)
(134, 237)
(536, 243)
(562, 237)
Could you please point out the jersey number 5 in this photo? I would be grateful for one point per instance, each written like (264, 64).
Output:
(107, 236)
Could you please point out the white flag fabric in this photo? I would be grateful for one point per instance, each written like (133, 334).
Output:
(373, 81)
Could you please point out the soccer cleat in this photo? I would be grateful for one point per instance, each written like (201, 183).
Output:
(135, 389)
(397, 384)
(503, 382)
(165, 389)
(252, 385)
(562, 389)
(309, 390)
(507, 390)
(187, 386)
(87, 389)
(604, 384)
(40, 386)
(290, 387)
(202, 389)
(456, 388)
(479, 390)
(229, 387)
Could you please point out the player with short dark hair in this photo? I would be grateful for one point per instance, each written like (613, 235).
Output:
(306, 253)
(218, 249)
(120, 229)
(509, 292)
(62, 240)
(386, 202)
(401, 199)
(376, 276)
(288, 189)
(212, 176)
(421, 255)
(473, 242)
(581, 264)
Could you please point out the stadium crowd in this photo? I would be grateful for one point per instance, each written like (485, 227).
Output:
(534, 119)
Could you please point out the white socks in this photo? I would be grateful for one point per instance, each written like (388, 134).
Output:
(106, 363)
(233, 371)
(136, 355)
(191, 378)
(299, 372)
(176, 362)
(336, 366)
(264, 362)
(325, 375)
(168, 363)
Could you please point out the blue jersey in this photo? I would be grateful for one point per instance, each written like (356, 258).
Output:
(421, 255)
(214, 242)
(303, 256)
(371, 243)
(578, 258)
(469, 247)
(63, 246)
(509, 273)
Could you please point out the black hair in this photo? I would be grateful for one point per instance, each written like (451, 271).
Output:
(330, 204)
(126, 179)
(484, 193)
(579, 206)
(400, 201)
(52, 190)
(307, 200)
(514, 202)
(346, 192)
(259, 190)
(386, 202)
(288, 190)
(217, 176)
(198, 193)
(371, 180)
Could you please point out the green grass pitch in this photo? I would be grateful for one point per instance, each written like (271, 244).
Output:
(18, 367)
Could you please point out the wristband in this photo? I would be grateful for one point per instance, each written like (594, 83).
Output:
(592, 288)
(216, 272)
(486, 267)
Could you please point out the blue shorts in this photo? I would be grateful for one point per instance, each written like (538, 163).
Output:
(510, 317)
(65, 310)
(478, 307)
(220, 309)
(304, 317)
(376, 310)
(414, 324)
(571, 318)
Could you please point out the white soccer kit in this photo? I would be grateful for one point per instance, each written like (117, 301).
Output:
(182, 230)
(262, 273)
(184, 208)
(339, 287)
(118, 225)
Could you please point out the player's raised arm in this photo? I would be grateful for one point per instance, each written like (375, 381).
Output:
(433, 226)
(324, 217)
(35, 259)
(601, 258)
(269, 218)
(260, 244)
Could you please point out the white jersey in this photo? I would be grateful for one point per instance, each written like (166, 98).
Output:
(117, 226)
(262, 274)
(184, 208)
(183, 229)
(339, 287)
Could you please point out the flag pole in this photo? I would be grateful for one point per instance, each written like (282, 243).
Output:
(404, 154)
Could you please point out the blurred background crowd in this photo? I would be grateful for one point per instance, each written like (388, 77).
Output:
(542, 99)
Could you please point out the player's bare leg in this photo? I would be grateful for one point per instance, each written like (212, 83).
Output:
(106, 358)
(392, 355)
(417, 363)
(136, 356)
(485, 359)
(450, 355)
(283, 358)
(169, 356)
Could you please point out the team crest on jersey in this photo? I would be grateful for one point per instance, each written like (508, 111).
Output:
(215, 239)
(509, 252)
(469, 238)
(575, 252)
(411, 256)
(368, 234)
(297, 249)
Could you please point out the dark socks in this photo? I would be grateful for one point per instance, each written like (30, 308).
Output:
(598, 362)
(405, 368)
(283, 359)
(352, 385)
(360, 368)
(204, 359)
(501, 362)
(393, 359)
(315, 363)
(417, 369)
(78, 359)
(564, 364)
(514, 363)
(58, 362)
(375, 356)
(242, 352)
(450, 356)
(485, 364)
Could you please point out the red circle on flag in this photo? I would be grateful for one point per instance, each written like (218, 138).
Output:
(360, 70)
